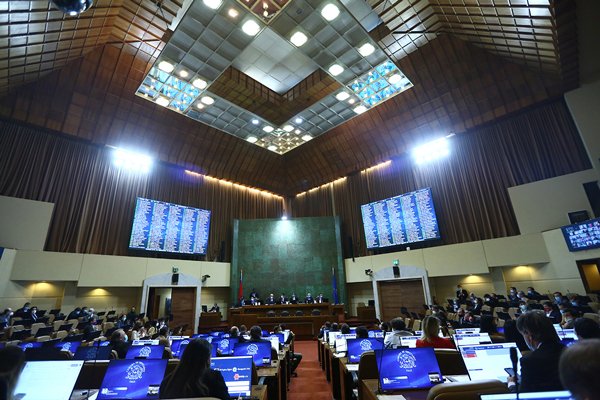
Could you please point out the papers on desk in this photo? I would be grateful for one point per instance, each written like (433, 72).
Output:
(390, 397)
(352, 367)
(339, 355)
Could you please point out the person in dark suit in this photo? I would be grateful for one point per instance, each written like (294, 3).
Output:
(309, 299)
(578, 369)
(320, 299)
(23, 311)
(513, 300)
(270, 300)
(477, 305)
(294, 299)
(118, 342)
(539, 369)
(241, 302)
(552, 312)
(461, 294)
(533, 294)
(282, 299)
(215, 308)
(254, 293)
(32, 315)
(193, 377)
(132, 315)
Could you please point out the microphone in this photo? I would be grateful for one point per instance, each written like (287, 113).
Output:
(514, 358)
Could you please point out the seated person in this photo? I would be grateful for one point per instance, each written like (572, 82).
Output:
(214, 308)
(256, 335)
(282, 299)
(578, 369)
(487, 325)
(513, 300)
(163, 336)
(325, 327)
(5, 318)
(345, 329)
(309, 299)
(254, 293)
(539, 369)
(234, 332)
(12, 361)
(533, 294)
(270, 299)
(193, 377)
(552, 312)
(431, 338)
(320, 299)
(398, 330)
(586, 328)
(568, 319)
(294, 299)
(469, 321)
(477, 305)
(242, 302)
(118, 341)
(362, 332)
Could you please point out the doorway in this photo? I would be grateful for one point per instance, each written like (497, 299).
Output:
(176, 304)
(590, 274)
(398, 293)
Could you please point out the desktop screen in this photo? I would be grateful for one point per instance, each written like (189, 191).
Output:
(237, 373)
(376, 334)
(409, 341)
(356, 347)
(560, 395)
(408, 368)
(39, 379)
(179, 345)
(68, 346)
(466, 331)
(487, 361)
(89, 353)
(145, 342)
(30, 345)
(147, 351)
(473, 338)
(225, 345)
(132, 379)
(260, 352)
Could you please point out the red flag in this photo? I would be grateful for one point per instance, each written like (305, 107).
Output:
(241, 289)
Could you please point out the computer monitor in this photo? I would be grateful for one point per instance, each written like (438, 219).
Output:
(225, 345)
(567, 334)
(260, 352)
(472, 338)
(281, 337)
(68, 346)
(48, 380)
(237, 373)
(407, 368)
(332, 337)
(147, 351)
(356, 347)
(90, 353)
(340, 344)
(176, 347)
(132, 379)
(558, 395)
(376, 333)
(30, 345)
(275, 340)
(488, 361)
(467, 331)
(43, 354)
(409, 341)
(145, 342)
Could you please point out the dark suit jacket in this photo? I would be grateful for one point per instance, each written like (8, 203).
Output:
(211, 378)
(539, 369)
(270, 300)
(555, 316)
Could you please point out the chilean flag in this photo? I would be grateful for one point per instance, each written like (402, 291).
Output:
(241, 288)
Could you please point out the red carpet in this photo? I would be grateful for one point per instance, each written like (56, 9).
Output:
(311, 383)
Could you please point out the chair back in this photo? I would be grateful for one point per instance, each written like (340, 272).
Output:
(367, 369)
(466, 390)
(592, 316)
(416, 325)
(35, 327)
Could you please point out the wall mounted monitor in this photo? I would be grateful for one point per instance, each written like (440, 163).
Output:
(171, 228)
(582, 236)
(403, 219)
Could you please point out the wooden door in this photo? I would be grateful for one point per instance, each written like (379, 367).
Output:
(183, 308)
(395, 294)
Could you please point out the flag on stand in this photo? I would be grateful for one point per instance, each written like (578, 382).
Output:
(334, 286)
(241, 288)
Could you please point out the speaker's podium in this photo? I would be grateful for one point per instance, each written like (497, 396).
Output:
(209, 321)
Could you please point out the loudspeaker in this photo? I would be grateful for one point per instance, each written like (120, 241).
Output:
(575, 217)
(396, 271)
(175, 279)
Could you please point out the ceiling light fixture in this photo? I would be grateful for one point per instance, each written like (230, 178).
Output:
(330, 12)
(268, 128)
(272, 147)
(297, 131)
(430, 151)
(207, 100)
(200, 83)
(162, 101)
(298, 120)
(166, 66)
(366, 49)
(359, 109)
(298, 39)
(213, 4)
(250, 27)
(233, 13)
(199, 106)
(288, 128)
(252, 139)
(306, 138)
(351, 101)
(341, 96)
(395, 79)
(183, 73)
(255, 121)
(336, 69)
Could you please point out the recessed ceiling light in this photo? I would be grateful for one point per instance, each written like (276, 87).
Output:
(255, 121)
(395, 78)
(162, 101)
(306, 138)
(298, 120)
(336, 69)
(268, 128)
(366, 49)
(199, 106)
(288, 128)
(359, 109)
(214, 4)
(166, 66)
(341, 96)
(207, 100)
(298, 39)
(330, 12)
(250, 27)
(297, 131)
(351, 101)
(272, 147)
(233, 13)
(183, 73)
(199, 83)
(252, 139)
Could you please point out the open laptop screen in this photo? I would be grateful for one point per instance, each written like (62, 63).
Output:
(48, 380)
(89, 353)
(260, 352)
(237, 372)
(472, 338)
(148, 351)
(487, 361)
(225, 345)
(407, 368)
(132, 379)
(409, 341)
(560, 395)
(356, 347)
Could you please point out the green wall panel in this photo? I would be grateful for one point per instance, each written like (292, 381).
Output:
(296, 255)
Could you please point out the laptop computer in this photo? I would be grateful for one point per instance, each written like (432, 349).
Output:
(487, 361)
(356, 347)
(467, 331)
(237, 373)
(68, 346)
(559, 395)
(39, 380)
(132, 379)
(144, 342)
(472, 338)
(409, 341)
(401, 369)
(90, 353)
(147, 351)
(260, 352)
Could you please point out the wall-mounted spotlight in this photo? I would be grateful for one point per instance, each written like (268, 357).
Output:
(205, 277)
(369, 272)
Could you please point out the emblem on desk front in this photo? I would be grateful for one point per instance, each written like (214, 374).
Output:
(406, 360)
(135, 372)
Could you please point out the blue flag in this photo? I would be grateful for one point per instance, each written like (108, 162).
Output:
(334, 287)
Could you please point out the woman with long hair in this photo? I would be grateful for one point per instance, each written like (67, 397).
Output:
(193, 376)
(431, 337)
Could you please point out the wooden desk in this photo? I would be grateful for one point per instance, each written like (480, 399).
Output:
(274, 380)
(259, 391)
(370, 388)
(335, 376)
(261, 311)
(346, 381)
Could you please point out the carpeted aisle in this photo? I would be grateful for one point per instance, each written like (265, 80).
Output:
(311, 383)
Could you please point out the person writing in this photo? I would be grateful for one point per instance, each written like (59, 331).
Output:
(193, 377)
(431, 337)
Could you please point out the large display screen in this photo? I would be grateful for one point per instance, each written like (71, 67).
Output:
(403, 219)
(160, 226)
(583, 236)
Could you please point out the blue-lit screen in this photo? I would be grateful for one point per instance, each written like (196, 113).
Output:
(132, 379)
(408, 368)
(160, 226)
(358, 346)
(68, 346)
(403, 219)
(93, 353)
(237, 373)
(146, 351)
(30, 345)
(583, 236)
(260, 352)
(225, 345)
